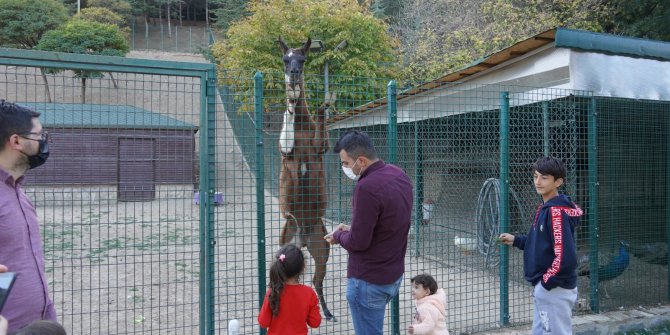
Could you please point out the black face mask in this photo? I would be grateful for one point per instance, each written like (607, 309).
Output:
(40, 157)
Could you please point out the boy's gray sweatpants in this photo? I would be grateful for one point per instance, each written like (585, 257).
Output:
(553, 310)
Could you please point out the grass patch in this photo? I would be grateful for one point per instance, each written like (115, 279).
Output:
(663, 329)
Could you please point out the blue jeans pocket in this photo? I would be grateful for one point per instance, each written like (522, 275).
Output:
(377, 297)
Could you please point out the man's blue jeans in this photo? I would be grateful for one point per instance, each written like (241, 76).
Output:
(367, 303)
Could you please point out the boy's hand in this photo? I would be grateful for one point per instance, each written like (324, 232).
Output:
(410, 330)
(506, 238)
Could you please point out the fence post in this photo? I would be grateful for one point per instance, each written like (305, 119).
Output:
(260, 186)
(419, 196)
(504, 206)
(667, 192)
(392, 142)
(133, 35)
(207, 125)
(593, 203)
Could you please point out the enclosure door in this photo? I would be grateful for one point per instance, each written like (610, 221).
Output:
(136, 169)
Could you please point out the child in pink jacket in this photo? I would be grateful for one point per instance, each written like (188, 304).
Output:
(431, 304)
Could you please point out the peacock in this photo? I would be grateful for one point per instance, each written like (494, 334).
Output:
(653, 252)
(609, 268)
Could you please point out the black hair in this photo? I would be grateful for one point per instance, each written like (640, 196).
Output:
(41, 327)
(289, 262)
(427, 281)
(550, 166)
(356, 143)
(14, 119)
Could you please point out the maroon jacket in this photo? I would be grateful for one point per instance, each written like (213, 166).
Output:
(382, 210)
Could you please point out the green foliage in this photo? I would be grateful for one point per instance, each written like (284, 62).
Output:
(85, 37)
(386, 9)
(106, 16)
(23, 22)
(120, 7)
(458, 33)
(251, 45)
(641, 18)
(228, 12)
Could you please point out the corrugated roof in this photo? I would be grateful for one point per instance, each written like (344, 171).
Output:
(561, 37)
(103, 116)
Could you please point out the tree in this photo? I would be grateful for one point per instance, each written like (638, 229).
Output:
(251, 45)
(229, 11)
(23, 22)
(386, 10)
(120, 7)
(459, 32)
(103, 15)
(85, 37)
(642, 18)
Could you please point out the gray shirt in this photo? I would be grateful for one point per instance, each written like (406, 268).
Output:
(21, 251)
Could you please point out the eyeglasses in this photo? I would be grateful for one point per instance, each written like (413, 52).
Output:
(44, 136)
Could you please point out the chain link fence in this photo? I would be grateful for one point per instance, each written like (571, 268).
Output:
(160, 206)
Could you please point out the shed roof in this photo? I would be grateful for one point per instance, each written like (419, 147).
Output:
(560, 37)
(72, 115)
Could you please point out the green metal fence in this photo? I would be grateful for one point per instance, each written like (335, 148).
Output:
(125, 245)
(186, 248)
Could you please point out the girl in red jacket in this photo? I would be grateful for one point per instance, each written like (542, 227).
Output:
(289, 307)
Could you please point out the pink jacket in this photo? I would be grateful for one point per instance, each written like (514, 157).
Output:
(431, 314)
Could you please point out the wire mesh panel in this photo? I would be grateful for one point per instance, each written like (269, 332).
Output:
(448, 142)
(632, 202)
(243, 257)
(163, 201)
(115, 200)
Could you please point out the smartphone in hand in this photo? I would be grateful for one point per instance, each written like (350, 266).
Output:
(6, 281)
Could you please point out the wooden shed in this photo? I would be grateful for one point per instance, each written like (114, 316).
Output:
(127, 147)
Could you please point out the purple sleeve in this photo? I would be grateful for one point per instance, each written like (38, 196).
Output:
(366, 210)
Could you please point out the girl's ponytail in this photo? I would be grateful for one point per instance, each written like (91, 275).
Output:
(289, 262)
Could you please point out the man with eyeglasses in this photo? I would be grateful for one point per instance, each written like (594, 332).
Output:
(23, 146)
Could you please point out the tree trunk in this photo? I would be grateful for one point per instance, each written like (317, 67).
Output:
(46, 85)
(206, 14)
(116, 85)
(169, 21)
(83, 90)
(180, 14)
(146, 28)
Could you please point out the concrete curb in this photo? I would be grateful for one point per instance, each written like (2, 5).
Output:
(605, 323)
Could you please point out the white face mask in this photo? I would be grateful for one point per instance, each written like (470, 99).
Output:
(350, 172)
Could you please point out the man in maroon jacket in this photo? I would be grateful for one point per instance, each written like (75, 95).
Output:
(377, 238)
